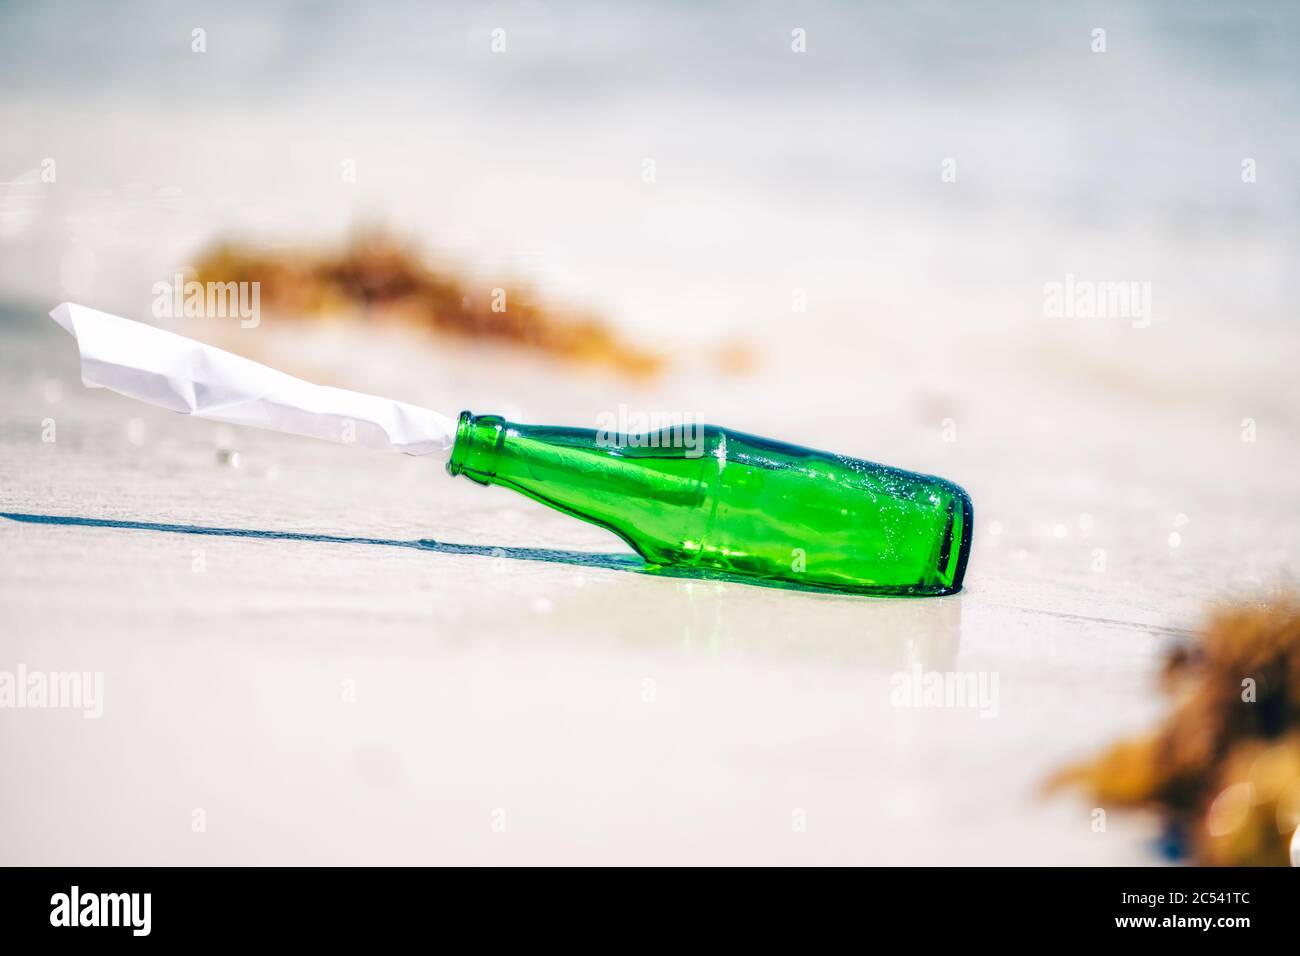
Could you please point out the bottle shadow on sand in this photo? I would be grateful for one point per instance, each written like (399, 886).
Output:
(611, 561)
(888, 631)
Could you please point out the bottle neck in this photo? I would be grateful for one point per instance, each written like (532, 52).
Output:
(478, 442)
(651, 497)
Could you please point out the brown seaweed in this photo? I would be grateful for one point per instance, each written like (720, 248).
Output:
(379, 277)
(1224, 767)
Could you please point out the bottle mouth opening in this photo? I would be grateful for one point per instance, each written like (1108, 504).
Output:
(460, 448)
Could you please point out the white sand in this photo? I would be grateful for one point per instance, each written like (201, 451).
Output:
(602, 715)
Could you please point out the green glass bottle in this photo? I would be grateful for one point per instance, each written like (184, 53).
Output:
(732, 504)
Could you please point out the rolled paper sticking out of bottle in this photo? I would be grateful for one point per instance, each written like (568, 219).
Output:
(746, 507)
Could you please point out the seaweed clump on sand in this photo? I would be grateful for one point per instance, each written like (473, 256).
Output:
(1223, 770)
(375, 275)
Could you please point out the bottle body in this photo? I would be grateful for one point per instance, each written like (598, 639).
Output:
(736, 504)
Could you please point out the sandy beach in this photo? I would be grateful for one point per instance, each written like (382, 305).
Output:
(320, 699)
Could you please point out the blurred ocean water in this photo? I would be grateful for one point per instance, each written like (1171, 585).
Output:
(774, 172)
